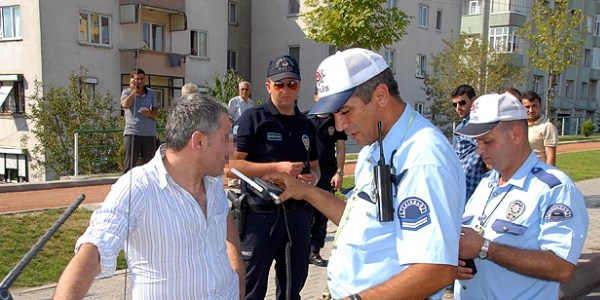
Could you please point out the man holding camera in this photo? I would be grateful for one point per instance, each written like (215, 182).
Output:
(276, 137)
(412, 255)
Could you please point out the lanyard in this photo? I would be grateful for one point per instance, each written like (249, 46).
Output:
(350, 202)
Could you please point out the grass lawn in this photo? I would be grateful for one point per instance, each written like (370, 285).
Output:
(19, 232)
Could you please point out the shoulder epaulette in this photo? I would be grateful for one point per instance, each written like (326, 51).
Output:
(545, 177)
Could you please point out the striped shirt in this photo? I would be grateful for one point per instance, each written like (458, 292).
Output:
(173, 250)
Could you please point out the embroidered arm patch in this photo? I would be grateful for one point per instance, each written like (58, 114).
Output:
(413, 214)
(558, 212)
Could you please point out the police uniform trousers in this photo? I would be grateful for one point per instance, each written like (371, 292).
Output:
(264, 240)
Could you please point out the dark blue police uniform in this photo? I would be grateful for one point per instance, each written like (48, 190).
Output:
(327, 138)
(268, 136)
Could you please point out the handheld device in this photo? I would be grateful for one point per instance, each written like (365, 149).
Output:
(383, 185)
(262, 188)
(470, 263)
(306, 167)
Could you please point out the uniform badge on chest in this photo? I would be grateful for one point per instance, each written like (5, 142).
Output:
(330, 130)
(515, 209)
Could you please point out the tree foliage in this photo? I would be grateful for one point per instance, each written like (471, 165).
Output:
(468, 60)
(224, 88)
(61, 111)
(555, 37)
(354, 23)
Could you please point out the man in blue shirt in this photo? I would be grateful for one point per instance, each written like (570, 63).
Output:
(413, 256)
(141, 110)
(276, 137)
(526, 223)
(466, 147)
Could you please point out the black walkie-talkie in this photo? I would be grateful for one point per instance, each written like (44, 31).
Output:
(306, 166)
(383, 185)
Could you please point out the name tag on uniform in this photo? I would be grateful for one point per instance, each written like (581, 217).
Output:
(274, 136)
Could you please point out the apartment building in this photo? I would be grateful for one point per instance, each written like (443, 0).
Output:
(576, 94)
(174, 41)
(277, 30)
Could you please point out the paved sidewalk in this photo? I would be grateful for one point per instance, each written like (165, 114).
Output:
(114, 287)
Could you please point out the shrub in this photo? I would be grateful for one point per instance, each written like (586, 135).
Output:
(587, 127)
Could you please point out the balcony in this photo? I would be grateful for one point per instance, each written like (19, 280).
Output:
(153, 62)
(167, 5)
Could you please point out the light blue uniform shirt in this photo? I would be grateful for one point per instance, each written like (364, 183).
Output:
(539, 208)
(427, 210)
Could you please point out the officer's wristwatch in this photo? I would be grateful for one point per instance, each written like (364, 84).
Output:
(355, 297)
(483, 252)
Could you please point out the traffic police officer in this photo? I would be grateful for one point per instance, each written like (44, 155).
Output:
(413, 256)
(526, 222)
(276, 137)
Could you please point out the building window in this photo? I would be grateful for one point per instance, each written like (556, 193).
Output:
(584, 91)
(392, 3)
(390, 57)
(94, 29)
(569, 89)
(12, 95)
(597, 26)
(503, 39)
(153, 36)
(596, 58)
(13, 165)
(474, 7)
(294, 8)
(231, 60)
(294, 52)
(587, 57)
(503, 6)
(10, 22)
(419, 107)
(233, 15)
(537, 83)
(421, 66)
(592, 89)
(438, 20)
(423, 15)
(199, 43)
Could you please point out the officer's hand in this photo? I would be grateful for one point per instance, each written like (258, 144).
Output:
(463, 272)
(336, 181)
(291, 168)
(470, 243)
(309, 178)
(293, 188)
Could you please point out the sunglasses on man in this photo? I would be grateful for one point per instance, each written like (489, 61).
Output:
(459, 103)
(292, 85)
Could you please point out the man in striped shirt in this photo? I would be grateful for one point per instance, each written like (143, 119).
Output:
(170, 216)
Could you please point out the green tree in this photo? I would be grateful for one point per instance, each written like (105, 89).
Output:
(58, 113)
(354, 23)
(224, 88)
(468, 60)
(555, 37)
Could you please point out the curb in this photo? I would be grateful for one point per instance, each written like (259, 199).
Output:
(73, 182)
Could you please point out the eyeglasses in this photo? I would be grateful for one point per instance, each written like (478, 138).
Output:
(459, 103)
(292, 85)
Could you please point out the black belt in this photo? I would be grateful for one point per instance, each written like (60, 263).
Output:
(290, 206)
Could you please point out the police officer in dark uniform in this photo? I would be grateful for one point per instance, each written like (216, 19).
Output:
(331, 150)
(276, 137)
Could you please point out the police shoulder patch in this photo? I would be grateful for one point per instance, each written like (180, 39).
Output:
(558, 212)
(413, 214)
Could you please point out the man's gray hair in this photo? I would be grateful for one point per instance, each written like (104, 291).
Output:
(188, 89)
(365, 90)
(244, 83)
(190, 114)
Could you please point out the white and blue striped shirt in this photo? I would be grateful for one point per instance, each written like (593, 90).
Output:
(173, 249)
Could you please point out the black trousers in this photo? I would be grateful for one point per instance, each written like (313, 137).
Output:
(136, 146)
(264, 240)
(318, 227)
